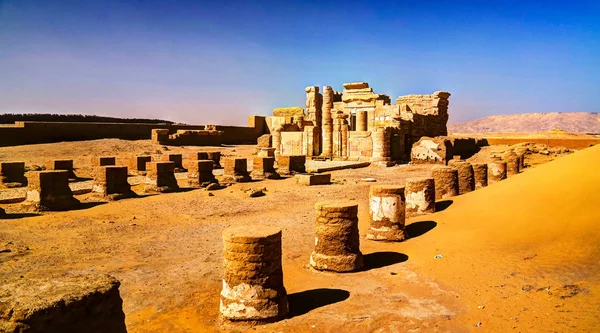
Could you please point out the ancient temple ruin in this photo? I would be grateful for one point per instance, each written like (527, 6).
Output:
(357, 124)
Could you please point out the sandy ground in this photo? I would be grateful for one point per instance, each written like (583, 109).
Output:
(516, 256)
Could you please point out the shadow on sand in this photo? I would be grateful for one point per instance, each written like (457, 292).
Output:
(442, 205)
(382, 259)
(305, 301)
(417, 229)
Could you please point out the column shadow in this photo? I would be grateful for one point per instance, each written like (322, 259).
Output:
(305, 301)
(382, 259)
(442, 205)
(417, 229)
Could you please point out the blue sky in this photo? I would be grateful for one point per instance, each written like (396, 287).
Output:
(220, 61)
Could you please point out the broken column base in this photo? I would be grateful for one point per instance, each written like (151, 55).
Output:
(264, 175)
(339, 264)
(386, 234)
(88, 303)
(313, 179)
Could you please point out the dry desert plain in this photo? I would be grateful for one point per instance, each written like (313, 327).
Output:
(517, 256)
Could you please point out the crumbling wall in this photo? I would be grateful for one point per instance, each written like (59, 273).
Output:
(436, 150)
(429, 113)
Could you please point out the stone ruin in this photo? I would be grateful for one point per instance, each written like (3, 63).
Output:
(62, 165)
(446, 181)
(387, 210)
(177, 159)
(160, 177)
(357, 124)
(264, 168)
(137, 164)
(207, 137)
(12, 174)
(98, 161)
(235, 170)
(420, 196)
(253, 288)
(110, 183)
(49, 190)
(85, 303)
(466, 178)
(200, 173)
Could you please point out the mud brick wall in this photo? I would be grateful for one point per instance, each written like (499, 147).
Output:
(360, 145)
(31, 132)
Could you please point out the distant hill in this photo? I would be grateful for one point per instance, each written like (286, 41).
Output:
(10, 118)
(573, 122)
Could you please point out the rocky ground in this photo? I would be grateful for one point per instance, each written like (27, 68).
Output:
(516, 256)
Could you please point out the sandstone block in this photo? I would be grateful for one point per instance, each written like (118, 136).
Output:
(12, 174)
(266, 152)
(264, 167)
(436, 150)
(253, 287)
(337, 242)
(446, 181)
(160, 136)
(215, 156)
(291, 164)
(313, 179)
(387, 211)
(160, 177)
(110, 182)
(513, 163)
(49, 190)
(264, 141)
(138, 164)
(177, 159)
(87, 303)
(200, 173)
(235, 169)
(62, 165)
(420, 196)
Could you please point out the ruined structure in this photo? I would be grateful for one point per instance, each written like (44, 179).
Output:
(12, 174)
(337, 242)
(98, 161)
(387, 211)
(177, 159)
(208, 137)
(420, 196)
(264, 167)
(446, 181)
(62, 165)
(466, 178)
(513, 163)
(110, 183)
(291, 164)
(49, 190)
(313, 179)
(496, 172)
(71, 303)
(200, 173)
(215, 156)
(252, 275)
(480, 173)
(160, 177)
(236, 170)
(137, 164)
(357, 124)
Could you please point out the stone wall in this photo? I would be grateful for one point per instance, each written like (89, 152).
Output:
(360, 145)
(429, 113)
(291, 143)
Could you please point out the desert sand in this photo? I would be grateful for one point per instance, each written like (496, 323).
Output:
(517, 256)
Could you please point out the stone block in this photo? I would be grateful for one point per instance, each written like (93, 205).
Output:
(266, 152)
(215, 156)
(138, 164)
(98, 161)
(177, 159)
(313, 179)
(264, 167)
(200, 173)
(49, 190)
(264, 141)
(466, 177)
(110, 182)
(446, 181)
(62, 165)
(86, 303)
(160, 177)
(387, 210)
(420, 196)
(12, 174)
(235, 169)
(291, 164)
(160, 136)
(427, 150)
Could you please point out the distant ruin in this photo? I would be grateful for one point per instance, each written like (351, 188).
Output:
(357, 124)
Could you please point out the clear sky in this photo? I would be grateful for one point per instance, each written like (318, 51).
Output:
(220, 61)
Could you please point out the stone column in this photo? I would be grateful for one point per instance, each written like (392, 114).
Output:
(496, 172)
(420, 196)
(314, 104)
(361, 121)
(277, 140)
(446, 181)
(110, 183)
(160, 177)
(513, 163)
(466, 179)
(381, 146)
(49, 190)
(236, 170)
(327, 122)
(264, 167)
(480, 172)
(200, 173)
(340, 135)
(387, 210)
(253, 287)
(337, 242)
